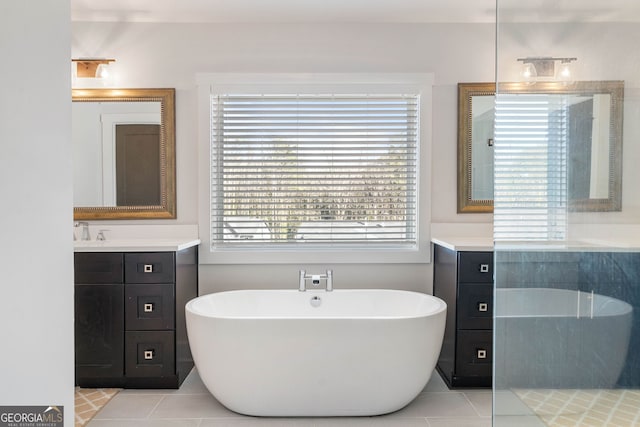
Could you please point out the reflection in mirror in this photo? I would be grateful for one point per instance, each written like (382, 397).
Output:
(123, 153)
(483, 115)
(592, 116)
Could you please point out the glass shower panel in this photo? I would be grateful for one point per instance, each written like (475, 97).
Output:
(567, 214)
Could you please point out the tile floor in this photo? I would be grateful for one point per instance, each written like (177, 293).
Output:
(88, 402)
(193, 406)
(568, 408)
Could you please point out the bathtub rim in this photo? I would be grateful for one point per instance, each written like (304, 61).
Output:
(439, 306)
(626, 308)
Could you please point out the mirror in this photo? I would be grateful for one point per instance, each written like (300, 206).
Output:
(123, 154)
(593, 112)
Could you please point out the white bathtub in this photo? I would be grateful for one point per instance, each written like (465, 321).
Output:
(558, 338)
(272, 353)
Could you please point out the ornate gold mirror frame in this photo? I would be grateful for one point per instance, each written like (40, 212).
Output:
(466, 94)
(167, 207)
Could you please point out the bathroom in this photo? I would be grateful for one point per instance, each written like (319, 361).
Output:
(37, 218)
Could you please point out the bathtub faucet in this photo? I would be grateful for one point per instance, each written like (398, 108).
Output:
(315, 280)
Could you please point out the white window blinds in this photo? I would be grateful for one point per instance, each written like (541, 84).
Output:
(530, 182)
(314, 170)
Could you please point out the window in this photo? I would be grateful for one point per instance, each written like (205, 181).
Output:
(530, 167)
(314, 170)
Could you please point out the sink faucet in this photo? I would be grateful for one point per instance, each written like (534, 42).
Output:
(85, 230)
(315, 280)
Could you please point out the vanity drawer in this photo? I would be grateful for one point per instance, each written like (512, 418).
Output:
(152, 267)
(149, 307)
(475, 306)
(475, 267)
(474, 353)
(149, 353)
(98, 268)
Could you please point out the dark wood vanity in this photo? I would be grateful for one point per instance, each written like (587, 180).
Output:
(130, 327)
(464, 280)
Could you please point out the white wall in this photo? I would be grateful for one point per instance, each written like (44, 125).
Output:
(170, 55)
(36, 255)
(604, 51)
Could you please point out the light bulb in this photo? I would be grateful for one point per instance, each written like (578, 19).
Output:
(565, 71)
(102, 72)
(529, 73)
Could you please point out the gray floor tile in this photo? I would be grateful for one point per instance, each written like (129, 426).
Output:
(520, 421)
(144, 423)
(380, 421)
(439, 405)
(436, 383)
(193, 384)
(191, 406)
(258, 422)
(156, 391)
(481, 401)
(130, 406)
(508, 403)
(460, 422)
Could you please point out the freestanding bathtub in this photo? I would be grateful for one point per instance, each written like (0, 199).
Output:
(559, 338)
(315, 353)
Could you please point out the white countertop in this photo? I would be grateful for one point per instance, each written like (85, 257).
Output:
(464, 244)
(479, 244)
(171, 244)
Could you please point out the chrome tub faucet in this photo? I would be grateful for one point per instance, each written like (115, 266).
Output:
(315, 280)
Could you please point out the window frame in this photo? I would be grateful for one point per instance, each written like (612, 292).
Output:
(224, 83)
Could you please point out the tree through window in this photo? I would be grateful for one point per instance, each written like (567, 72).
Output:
(314, 169)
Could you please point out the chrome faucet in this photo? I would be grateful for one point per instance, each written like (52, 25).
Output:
(315, 280)
(101, 236)
(85, 230)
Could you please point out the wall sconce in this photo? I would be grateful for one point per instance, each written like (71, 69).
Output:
(97, 68)
(544, 68)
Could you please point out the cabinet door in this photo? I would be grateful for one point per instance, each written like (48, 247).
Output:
(475, 267)
(475, 306)
(150, 354)
(152, 267)
(474, 353)
(99, 331)
(98, 267)
(149, 307)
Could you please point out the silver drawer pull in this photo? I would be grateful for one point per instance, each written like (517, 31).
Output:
(148, 307)
(148, 355)
(483, 306)
(484, 268)
(148, 268)
(481, 353)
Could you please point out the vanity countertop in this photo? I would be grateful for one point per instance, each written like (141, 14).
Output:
(481, 244)
(464, 244)
(172, 244)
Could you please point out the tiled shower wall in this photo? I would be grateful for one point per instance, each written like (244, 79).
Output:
(613, 274)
